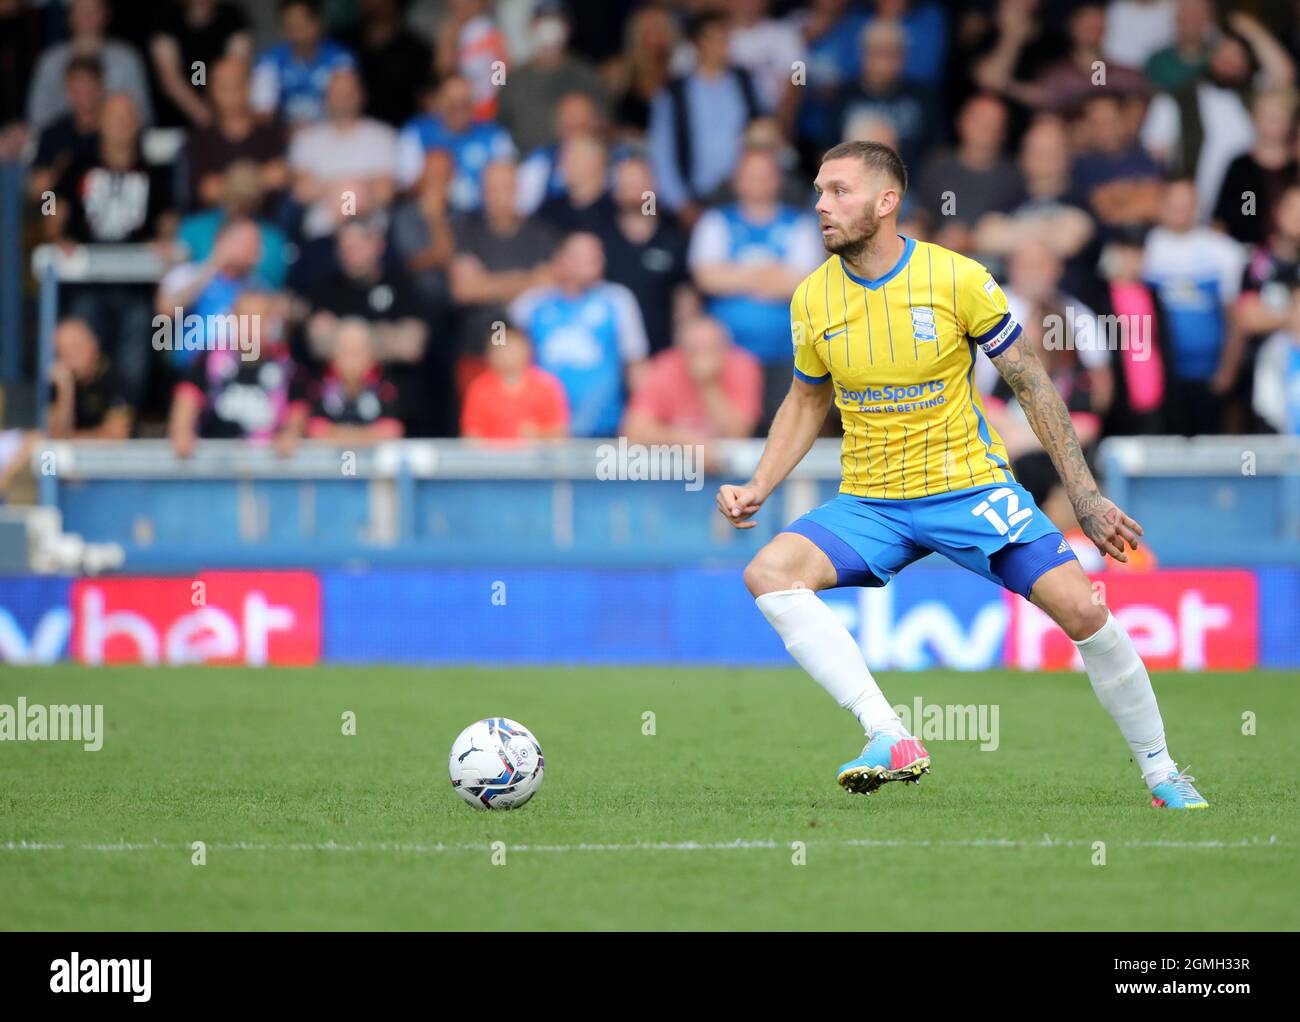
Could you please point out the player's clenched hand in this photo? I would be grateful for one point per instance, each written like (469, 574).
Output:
(1107, 526)
(738, 504)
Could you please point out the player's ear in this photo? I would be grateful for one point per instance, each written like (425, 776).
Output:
(888, 202)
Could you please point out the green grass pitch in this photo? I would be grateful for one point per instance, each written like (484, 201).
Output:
(694, 827)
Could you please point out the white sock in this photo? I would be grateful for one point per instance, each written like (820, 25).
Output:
(1123, 687)
(823, 647)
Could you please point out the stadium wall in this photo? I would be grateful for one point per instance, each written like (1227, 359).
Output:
(927, 617)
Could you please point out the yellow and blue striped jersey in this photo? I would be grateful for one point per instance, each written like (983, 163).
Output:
(900, 351)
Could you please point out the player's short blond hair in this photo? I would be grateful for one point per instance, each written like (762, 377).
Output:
(876, 156)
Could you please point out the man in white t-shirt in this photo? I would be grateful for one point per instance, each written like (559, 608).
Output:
(1226, 126)
(346, 165)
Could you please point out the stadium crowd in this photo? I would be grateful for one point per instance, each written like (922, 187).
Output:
(548, 219)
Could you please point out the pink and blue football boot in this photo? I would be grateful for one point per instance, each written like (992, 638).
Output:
(1177, 792)
(887, 757)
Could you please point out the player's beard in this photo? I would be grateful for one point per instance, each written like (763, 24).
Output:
(852, 241)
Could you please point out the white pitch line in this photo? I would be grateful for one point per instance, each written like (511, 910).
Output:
(739, 844)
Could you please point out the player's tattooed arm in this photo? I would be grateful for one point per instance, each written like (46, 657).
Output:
(1103, 523)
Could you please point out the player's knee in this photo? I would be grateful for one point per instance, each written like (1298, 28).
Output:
(1082, 618)
(769, 572)
(760, 577)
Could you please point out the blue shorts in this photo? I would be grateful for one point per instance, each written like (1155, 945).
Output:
(995, 530)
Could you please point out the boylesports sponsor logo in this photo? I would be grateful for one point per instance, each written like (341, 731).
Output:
(905, 397)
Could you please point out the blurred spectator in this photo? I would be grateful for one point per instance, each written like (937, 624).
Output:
(47, 100)
(958, 187)
(1137, 29)
(228, 395)
(422, 236)
(698, 121)
(471, 46)
(346, 165)
(1256, 179)
(1044, 212)
(112, 195)
(1007, 56)
(241, 199)
(87, 402)
(645, 250)
(703, 388)
(585, 203)
(531, 93)
(352, 403)
(391, 57)
(1063, 85)
(191, 37)
(1264, 307)
(22, 37)
(925, 38)
(588, 332)
(499, 256)
(367, 288)
(796, 188)
(642, 70)
(210, 287)
(451, 127)
(541, 173)
(1195, 273)
(1201, 130)
(234, 136)
(1178, 65)
(1277, 375)
(1138, 362)
(831, 32)
(769, 50)
(370, 288)
(748, 258)
(1113, 177)
(911, 109)
(512, 398)
(1033, 289)
(1071, 378)
(291, 78)
(75, 135)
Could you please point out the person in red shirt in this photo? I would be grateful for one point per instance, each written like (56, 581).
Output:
(514, 399)
(703, 388)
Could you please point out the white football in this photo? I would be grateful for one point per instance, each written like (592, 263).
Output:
(495, 764)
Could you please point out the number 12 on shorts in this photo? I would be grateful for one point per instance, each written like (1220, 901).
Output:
(1015, 514)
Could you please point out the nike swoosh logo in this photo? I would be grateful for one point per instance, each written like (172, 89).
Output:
(836, 334)
(1153, 755)
(1016, 535)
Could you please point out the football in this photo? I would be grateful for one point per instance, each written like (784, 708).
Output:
(495, 764)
